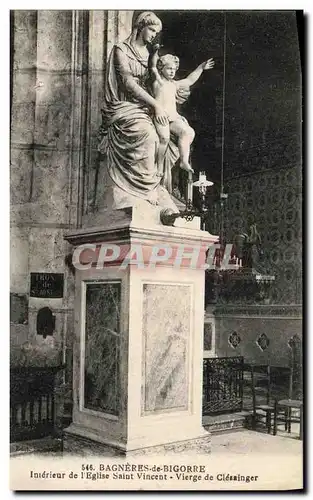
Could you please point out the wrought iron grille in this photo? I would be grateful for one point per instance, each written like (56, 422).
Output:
(222, 385)
(32, 408)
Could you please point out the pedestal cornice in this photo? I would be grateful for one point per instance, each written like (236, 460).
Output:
(120, 226)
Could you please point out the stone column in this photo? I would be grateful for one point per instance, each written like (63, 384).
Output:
(119, 27)
(138, 353)
(22, 137)
(23, 103)
(97, 56)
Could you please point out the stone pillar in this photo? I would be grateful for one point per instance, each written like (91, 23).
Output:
(24, 33)
(23, 103)
(119, 27)
(52, 137)
(138, 353)
(97, 56)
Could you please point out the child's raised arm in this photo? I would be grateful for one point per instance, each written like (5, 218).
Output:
(152, 63)
(195, 75)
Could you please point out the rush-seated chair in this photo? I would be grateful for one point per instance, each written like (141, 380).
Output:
(262, 403)
(288, 409)
(267, 385)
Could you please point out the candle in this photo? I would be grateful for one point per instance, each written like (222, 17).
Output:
(189, 187)
(202, 177)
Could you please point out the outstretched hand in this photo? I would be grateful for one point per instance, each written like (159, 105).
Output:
(209, 64)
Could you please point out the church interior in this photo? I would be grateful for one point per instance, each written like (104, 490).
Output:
(247, 115)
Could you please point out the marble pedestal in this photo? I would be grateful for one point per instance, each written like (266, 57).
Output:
(139, 338)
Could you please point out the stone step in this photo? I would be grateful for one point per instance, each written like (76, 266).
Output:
(230, 422)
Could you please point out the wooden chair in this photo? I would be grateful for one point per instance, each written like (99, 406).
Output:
(284, 413)
(288, 410)
(267, 394)
(263, 406)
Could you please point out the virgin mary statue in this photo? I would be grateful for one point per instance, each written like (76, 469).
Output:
(128, 136)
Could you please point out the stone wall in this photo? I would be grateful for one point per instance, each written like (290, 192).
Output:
(58, 63)
(41, 158)
(259, 333)
(262, 176)
(273, 200)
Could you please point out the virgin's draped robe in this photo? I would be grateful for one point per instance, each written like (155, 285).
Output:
(129, 139)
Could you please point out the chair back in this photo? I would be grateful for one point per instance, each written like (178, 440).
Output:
(261, 384)
(281, 382)
(296, 366)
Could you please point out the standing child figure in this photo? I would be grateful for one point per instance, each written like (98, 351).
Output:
(164, 89)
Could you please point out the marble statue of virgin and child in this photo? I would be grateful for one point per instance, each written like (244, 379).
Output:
(142, 134)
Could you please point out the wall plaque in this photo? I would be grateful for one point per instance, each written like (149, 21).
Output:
(46, 285)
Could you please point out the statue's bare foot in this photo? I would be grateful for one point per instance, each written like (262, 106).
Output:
(185, 166)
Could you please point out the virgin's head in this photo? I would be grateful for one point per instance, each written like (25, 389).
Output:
(147, 26)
